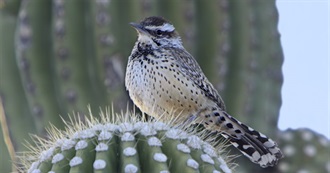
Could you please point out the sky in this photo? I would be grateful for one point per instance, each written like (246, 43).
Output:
(304, 28)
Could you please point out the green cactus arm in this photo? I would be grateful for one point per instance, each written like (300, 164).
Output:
(223, 23)
(187, 30)
(305, 151)
(33, 52)
(11, 90)
(126, 35)
(103, 47)
(253, 79)
(237, 60)
(70, 54)
(16, 111)
(108, 57)
(265, 66)
(205, 42)
(256, 59)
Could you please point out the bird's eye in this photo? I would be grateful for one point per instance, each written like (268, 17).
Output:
(159, 32)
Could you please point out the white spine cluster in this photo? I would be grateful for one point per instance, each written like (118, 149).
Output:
(156, 140)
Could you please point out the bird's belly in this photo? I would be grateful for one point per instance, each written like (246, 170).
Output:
(161, 90)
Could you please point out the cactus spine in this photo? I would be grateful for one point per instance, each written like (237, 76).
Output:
(125, 146)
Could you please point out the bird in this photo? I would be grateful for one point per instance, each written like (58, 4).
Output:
(163, 79)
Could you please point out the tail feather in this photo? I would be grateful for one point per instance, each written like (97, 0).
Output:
(256, 146)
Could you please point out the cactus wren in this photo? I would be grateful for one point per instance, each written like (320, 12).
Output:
(162, 78)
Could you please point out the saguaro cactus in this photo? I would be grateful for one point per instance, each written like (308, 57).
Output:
(125, 146)
(33, 55)
(13, 101)
(305, 151)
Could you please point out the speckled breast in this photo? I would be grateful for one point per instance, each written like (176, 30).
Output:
(157, 86)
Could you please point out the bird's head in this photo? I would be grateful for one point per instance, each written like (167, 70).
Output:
(158, 32)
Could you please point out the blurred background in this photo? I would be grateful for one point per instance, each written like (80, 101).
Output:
(57, 57)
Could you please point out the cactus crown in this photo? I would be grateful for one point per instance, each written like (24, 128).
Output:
(123, 145)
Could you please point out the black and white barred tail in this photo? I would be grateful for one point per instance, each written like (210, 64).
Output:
(256, 146)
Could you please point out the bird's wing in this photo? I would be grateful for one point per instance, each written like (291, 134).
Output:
(189, 67)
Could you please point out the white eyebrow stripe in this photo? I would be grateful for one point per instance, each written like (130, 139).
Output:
(165, 27)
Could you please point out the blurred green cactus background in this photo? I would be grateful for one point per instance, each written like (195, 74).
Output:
(59, 56)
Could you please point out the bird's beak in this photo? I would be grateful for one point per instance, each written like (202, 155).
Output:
(139, 28)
